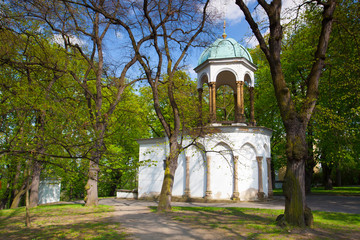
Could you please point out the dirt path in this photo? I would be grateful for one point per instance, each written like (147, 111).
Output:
(143, 224)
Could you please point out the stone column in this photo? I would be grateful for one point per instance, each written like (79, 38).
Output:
(252, 110)
(187, 178)
(200, 91)
(208, 189)
(260, 191)
(236, 179)
(237, 102)
(241, 108)
(212, 101)
(270, 190)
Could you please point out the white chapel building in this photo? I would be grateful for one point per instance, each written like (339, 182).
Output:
(233, 162)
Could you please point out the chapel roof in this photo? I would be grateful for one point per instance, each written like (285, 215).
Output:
(224, 48)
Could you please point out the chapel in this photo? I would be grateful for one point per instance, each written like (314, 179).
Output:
(233, 161)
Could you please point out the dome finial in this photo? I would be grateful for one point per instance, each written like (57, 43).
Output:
(224, 34)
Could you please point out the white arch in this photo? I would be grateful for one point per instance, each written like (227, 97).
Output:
(251, 145)
(222, 171)
(197, 170)
(248, 73)
(226, 69)
(248, 172)
(267, 150)
(200, 81)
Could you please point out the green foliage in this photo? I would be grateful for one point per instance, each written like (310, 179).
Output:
(185, 95)
(335, 123)
(266, 109)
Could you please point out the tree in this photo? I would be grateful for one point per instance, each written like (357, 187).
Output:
(337, 114)
(69, 20)
(163, 26)
(167, 35)
(295, 120)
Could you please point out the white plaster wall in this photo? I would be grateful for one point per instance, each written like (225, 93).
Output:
(221, 169)
(151, 170)
(179, 179)
(197, 170)
(49, 191)
(247, 143)
(248, 173)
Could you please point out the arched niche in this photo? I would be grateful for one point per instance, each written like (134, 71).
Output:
(222, 168)
(248, 172)
(197, 170)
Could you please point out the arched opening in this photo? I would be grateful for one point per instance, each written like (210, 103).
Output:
(225, 97)
(249, 100)
(204, 101)
(225, 104)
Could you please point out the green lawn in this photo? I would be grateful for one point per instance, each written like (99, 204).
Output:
(345, 191)
(238, 223)
(68, 221)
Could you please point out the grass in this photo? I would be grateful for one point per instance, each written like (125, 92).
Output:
(63, 221)
(344, 191)
(236, 223)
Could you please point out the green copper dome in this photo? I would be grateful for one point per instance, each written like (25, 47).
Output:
(224, 48)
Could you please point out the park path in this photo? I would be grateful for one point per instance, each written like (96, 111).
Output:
(143, 224)
(344, 204)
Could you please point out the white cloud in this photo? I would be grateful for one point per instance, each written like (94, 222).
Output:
(57, 38)
(225, 9)
(119, 35)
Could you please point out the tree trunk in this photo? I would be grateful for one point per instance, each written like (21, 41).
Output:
(310, 161)
(327, 176)
(91, 187)
(17, 197)
(338, 176)
(294, 181)
(34, 188)
(27, 204)
(167, 186)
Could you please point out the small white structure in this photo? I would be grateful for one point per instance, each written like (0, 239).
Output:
(49, 191)
(127, 194)
(232, 162)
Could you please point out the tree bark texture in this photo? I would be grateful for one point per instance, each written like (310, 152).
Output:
(35, 182)
(327, 169)
(310, 162)
(168, 182)
(17, 197)
(294, 180)
(27, 203)
(91, 187)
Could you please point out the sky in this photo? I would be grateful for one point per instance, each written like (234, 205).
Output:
(236, 25)
(236, 28)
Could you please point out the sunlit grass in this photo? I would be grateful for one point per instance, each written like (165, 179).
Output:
(260, 223)
(73, 221)
(345, 191)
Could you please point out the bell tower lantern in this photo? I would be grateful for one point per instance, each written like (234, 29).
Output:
(226, 62)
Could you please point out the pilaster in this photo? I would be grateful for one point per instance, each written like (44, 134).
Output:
(260, 190)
